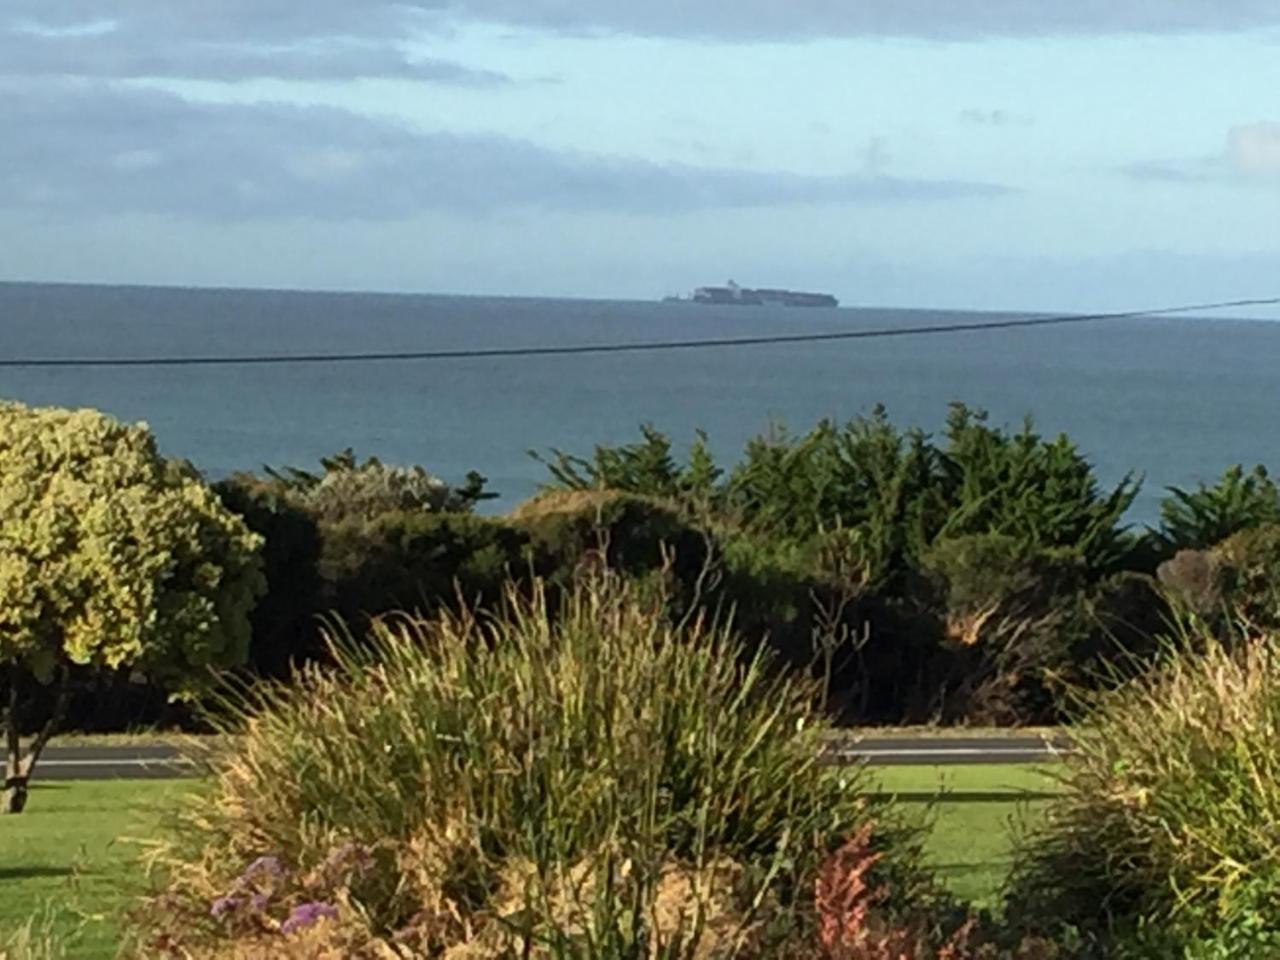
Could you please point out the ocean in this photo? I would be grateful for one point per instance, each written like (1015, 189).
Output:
(1175, 400)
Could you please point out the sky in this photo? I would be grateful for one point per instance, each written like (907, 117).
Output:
(1002, 154)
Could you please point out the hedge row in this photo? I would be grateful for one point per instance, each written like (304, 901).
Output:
(972, 578)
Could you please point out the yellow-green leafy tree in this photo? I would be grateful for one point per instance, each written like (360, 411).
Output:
(111, 558)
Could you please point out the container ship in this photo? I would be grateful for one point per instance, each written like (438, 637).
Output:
(733, 295)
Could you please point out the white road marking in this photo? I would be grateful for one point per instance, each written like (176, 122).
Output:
(1046, 751)
(892, 752)
(123, 762)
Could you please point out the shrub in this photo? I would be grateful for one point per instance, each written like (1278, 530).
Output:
(1250, 563)
(359, 565)
(863, 475)
(283, 624)
(1194, 581)
(1041, 492)
(815, 604)
(419, 561)
(1235, 586)
(1199, 519)
(349, 489)
(111, 559)
(646, 468)
(847, 546)
(988, 630)
(594, 784)
(900, 489)
(378, 546)
(369, 492)
(1165, 837)
(852, 924)
(1012, 620)
(631, 534)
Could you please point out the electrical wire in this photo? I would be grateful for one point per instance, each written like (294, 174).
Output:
(875, 333)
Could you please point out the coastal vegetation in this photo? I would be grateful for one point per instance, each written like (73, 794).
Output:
(974, 577)
(970, 578)
(111, 560)
(1163, 841)
(72, 879)
(592, 727)
(573, 778)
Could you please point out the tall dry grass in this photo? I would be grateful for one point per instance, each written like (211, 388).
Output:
(589, 782)
(1167, 840)
(33, 940)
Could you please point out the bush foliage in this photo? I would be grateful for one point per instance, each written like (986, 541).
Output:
(964, 577)
(588, 736)
(594, 783)
(113, 556)
(359, 539)
(1165, 838)
(1198, 519)
(112, 561)
(899, 488)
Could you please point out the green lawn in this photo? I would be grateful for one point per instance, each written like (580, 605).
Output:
(68, 857)
(69, 854)
(972, 812)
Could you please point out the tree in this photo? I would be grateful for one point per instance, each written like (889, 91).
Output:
(348, 488)
(111, 559)
(1201, 518)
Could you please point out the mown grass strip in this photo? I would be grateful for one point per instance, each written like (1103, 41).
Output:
(973, 813)
(70, 855)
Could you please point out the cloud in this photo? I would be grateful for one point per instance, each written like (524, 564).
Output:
(751, 20)
(149, 25)
(995, 118)
(225, 40)
(1253, 150)
(219, 21)
(106, 58)
(1251, 155)
(1174, 171)
(86, 149)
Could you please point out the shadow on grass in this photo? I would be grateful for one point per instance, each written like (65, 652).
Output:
(31, 873)
(967, 796)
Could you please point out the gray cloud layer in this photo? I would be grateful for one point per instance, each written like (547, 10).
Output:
(111, 57)
(86, 149)
(221, 40)
(938, 19)
(283, 22)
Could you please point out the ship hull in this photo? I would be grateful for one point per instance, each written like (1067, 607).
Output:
(736, 296)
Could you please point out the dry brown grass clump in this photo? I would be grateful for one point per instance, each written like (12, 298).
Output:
(1168, 833)
(593, 782)
(557, 502)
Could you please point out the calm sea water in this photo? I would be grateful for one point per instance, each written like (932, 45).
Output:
(1176, 400)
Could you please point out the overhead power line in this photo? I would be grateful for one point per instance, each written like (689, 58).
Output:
(874, 333)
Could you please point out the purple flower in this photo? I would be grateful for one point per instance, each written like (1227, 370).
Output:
(223, 905)
(258, 902)
(307, 914)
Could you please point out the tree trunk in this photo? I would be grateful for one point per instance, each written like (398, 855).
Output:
(15, 779)
(15, 794)
(18, 769)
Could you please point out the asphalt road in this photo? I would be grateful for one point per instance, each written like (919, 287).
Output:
(161, 762)
(946, 750)
(110, 763)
